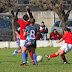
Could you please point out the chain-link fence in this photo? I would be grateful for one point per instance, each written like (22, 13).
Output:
(6, 32)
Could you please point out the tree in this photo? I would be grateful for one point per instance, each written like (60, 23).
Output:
(8, 4)
(57, 6)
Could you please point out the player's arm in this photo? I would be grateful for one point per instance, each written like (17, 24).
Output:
(17, 33)
(25, 32)
(29, 12)
(63, 38)
(15, 16)
(59, 40)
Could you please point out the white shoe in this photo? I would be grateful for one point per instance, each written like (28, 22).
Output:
(47, 57)
(13, 54)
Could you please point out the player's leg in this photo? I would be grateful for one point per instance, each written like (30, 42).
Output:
(24, 56)
(24, 52)
(31, 55)
(33, 48)
(22, 42)
(18, 45)
(16, 51)
(57, 53)
(53, 55)
(34, 55)
(20, 51)
(65, 49)
(62, 53)
(27, 44)
(64, 59)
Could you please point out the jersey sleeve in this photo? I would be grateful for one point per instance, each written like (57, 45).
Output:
(27, 23)
(20, 21)
(26, 29)
(18, 29)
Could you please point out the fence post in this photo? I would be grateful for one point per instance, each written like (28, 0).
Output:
(7, 44)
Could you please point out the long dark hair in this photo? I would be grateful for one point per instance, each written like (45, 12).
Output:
(25, 17)
(67, 29)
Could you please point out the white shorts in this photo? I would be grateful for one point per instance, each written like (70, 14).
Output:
(22, 42)
(66, 47)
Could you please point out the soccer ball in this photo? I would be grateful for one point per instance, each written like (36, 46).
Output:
(39, 58)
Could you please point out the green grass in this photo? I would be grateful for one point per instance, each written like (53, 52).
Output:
(8, 63)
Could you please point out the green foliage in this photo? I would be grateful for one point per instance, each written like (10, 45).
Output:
(8, 63)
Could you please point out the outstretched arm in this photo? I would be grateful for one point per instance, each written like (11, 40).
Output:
(59, 40)
(24, 34)
(15, 16)
(17, 11)
(17, 33)
(29, 12)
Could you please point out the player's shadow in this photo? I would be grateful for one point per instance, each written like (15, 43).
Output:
(52, 63)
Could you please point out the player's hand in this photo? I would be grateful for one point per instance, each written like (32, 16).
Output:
(18, 9)
(27, 7)
(57, 42)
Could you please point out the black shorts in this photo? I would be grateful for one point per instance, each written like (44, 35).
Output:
(30, 43)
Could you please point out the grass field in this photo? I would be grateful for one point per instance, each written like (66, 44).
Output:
(8, 63)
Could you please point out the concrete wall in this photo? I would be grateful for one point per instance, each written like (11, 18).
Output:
(12, 44)
(46, 16)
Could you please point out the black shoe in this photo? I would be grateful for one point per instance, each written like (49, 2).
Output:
(23, 63)
(46, 56)
(65, 62)
(35, 64)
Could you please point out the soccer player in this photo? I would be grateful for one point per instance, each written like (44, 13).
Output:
(18, 42)
(18, 37)
(65, 48)
(23, 23)
(30, 43)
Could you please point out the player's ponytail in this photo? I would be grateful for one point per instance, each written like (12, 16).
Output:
(25, 17)
(32, 21)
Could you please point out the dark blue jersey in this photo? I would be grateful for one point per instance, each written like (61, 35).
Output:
(31, 32)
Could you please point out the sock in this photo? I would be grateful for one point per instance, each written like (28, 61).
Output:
(64, 59)
(31, 55)
(17, 51)
(53, 55)
(24, 56)
(34, 57)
